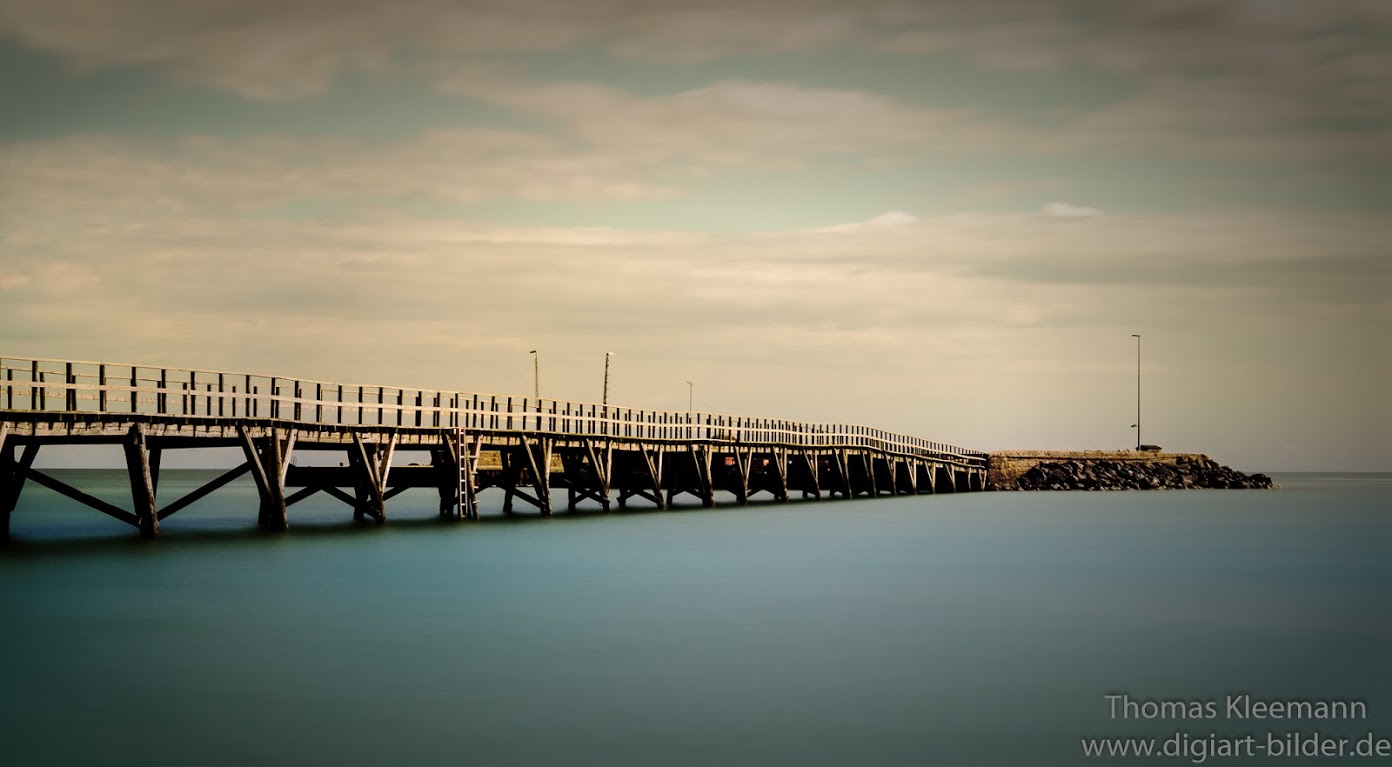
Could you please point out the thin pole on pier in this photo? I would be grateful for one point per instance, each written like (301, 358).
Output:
(605, 399)
(604, 425)
(536, 374)
(1138, 390)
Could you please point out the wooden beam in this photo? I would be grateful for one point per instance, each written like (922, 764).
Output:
(507, 479)
(370, 488)
(841, 460)
(284, 458)
(340, 495)
(945, 481)
(448, 482)
(925, 481)
(384, 464)
(743, 460)
(12, 478)
(601, 473)
(301, 494)
(809, 461)
(63, 488)
(272, 514)
(654, 475)
(780, 459)
(156, 454)
(142, 486)
(253, 458)
(701, 458)
(541, 476)
(203, 491)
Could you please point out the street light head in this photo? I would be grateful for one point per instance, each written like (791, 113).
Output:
(532, 351)
(1135, 335)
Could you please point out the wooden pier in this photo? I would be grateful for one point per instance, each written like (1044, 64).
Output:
(531, 448)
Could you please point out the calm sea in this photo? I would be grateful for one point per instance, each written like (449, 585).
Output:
(979, 629)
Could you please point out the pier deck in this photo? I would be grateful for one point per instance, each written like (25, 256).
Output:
(526, 446)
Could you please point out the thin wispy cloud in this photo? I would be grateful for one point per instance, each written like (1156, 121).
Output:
(1067, 210)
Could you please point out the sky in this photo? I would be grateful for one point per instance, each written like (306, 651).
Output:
(945, 219)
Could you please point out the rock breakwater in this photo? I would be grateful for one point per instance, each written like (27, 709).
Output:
(1182, 473)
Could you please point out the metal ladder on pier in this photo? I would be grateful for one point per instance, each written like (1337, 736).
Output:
(466, 453)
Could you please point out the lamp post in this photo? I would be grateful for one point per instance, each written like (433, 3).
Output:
(1137, 424)
(604, 424)
(536, 374)
(605, 399)
(690, 389)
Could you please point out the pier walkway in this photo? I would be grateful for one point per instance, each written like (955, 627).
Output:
(531, 448)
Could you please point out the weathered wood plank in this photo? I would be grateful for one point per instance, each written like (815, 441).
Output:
(63, 488)
(203, 491)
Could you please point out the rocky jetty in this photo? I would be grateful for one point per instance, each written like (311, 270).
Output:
(1183, 473)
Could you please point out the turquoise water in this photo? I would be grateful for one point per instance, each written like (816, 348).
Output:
(978, 629)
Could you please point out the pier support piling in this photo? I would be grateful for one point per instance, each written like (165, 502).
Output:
(780, 464)
(924, 470)
(585, 478)
(447, 479)
(141, 481)
(840, 461)
(368, 483)
(701, 454)
(12, 475)
(269, 461)
(743, 460)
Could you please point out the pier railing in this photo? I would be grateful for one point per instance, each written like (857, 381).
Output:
(35, 385)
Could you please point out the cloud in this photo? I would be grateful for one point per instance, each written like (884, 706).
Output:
(1234, 82)
(886, 220)
(613, 146)
(1066, 210)
(1327, 56)
(726, 123)
(12, 281)
(762, 125)
(131, 180)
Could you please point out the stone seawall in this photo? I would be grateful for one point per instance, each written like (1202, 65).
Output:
(1112, 470)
